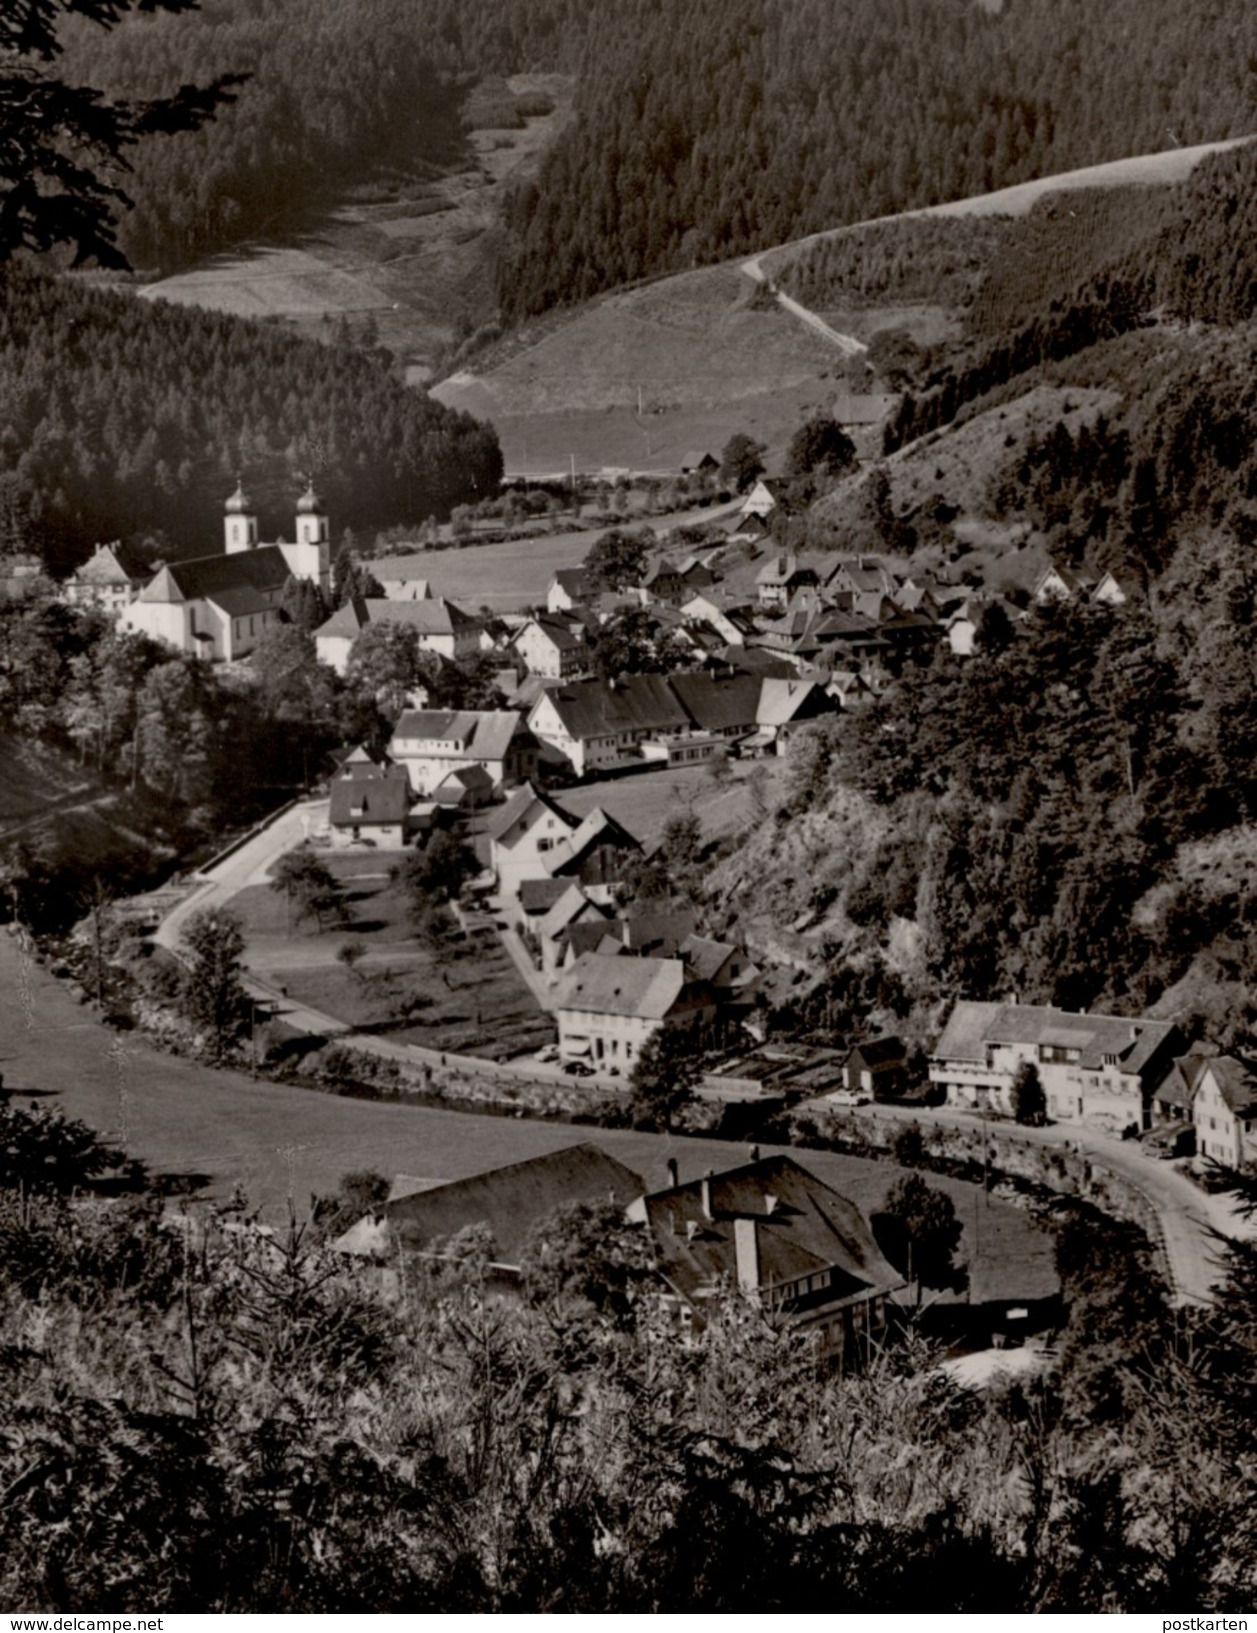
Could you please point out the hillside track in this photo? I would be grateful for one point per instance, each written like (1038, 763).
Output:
(1146, 169)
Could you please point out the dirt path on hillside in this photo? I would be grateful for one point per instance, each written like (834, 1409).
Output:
(1148, 169)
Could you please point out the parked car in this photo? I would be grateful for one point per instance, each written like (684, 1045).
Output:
(848, 1097)
(548, 1053)
(577, 1068)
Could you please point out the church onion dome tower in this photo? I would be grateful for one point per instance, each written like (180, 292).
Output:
(240, 525)
(311, 556)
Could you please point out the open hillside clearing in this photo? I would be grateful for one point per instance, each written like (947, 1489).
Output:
(704, 357)
(414, 254)
(517, 573)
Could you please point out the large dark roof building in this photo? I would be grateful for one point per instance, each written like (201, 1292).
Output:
(798, 1249)
(421, 1214)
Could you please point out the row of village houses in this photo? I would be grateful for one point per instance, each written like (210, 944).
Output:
(834, 618)
(465, 758)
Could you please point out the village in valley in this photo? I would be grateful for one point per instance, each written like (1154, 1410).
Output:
(628, 807)
(608, 735)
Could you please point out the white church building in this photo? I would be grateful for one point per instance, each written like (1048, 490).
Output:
(219, 607)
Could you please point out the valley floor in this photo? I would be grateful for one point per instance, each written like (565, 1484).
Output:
(221, 1128)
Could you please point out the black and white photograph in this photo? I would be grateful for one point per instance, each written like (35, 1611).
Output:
(628, 809)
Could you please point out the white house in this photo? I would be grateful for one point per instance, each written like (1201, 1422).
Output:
(1109, 592)
(522, 836)
(1062, 584)
(595, 723)
(533, 837)
(1224, 1111)
(219, 607)
(778, 579)
(762, 500)
(1099, 1069)
(961, 626)
(569, 588)
(431, 743)
(607, 1008)
(110, 579)
(731, 620)
(552, 647)
(370, 807)
(444, 629)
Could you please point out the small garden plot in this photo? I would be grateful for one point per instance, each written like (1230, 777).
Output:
(463, 997)
(367, 961)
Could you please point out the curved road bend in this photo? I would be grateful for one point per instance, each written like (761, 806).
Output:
(223, 1127)
(1188, 1217)
(246, 866)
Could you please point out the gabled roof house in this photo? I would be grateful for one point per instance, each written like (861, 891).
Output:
(796, 1248)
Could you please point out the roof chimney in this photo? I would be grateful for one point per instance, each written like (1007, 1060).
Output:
(770, 1203)
(746, 1249)
(705, 1193)
(673, 1176)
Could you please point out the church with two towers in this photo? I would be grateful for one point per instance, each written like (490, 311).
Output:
(219, 607)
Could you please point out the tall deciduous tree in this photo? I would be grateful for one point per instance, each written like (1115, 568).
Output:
(665, 1076)
(1029, 1100)
(211, 990)
(294, 685)
(618, 558)
(632, 643)
(923, 1233)
(385, 665)
(741, 461)
(173, 731)
(820, 447)
(308, 884)
(435, 872)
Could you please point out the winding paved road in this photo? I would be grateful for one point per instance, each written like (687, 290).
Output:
(1190, 1220)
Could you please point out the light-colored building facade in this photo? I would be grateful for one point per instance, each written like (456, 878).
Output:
(607, 1008)
(219, 607)
(110, 579)
(552, 647)
(431, 743)
(370, 807)
(1224, 1111)
(595, 724)
(1097, 1069)
(444, 630)
(523, 836)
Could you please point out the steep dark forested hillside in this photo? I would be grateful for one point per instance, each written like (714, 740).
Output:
(335, 92)
(710, 127)
(703, 128)
(117, 416)
(1068, 814)
(1077, 271)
